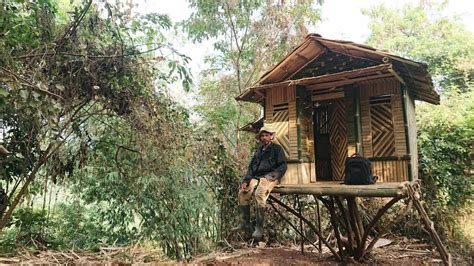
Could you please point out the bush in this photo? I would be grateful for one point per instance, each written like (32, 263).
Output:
(27, 228)
(445, 141)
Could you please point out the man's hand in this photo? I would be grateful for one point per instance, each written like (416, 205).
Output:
(244, 187)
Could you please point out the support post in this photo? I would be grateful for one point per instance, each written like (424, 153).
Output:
(319, 227)
(357, 119)
(293, 226)
(301, 224)
(404, 100)
(349, 232)
(311, 225)
(354, 221)
(332, 215)
(445, 256)
(356, 232)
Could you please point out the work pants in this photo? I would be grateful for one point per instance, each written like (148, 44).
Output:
(261, 188)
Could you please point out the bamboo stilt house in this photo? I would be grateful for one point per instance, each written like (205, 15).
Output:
(328, 99)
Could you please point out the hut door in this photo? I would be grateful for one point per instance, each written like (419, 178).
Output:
(330, 139)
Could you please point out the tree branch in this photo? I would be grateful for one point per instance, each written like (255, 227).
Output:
(73, 26)
(30, 84)
(88, 56)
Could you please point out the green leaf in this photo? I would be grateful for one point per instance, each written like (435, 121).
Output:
(3, 92)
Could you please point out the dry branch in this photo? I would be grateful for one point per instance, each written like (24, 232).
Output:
(30, 84)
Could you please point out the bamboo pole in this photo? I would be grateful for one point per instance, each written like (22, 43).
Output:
(349, 232)
(357, 73)
(354, 223)
(337, 233)
(385, 229)
(332, 215)
(429, 226)
(319, 225)
(301, 224)
(294, 227)
(349, 191)
(376, 218)
(289, 209)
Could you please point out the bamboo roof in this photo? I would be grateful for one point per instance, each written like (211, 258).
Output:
(319, 62)
(253, 126)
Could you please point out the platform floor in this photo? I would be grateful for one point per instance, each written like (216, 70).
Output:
(335, 188)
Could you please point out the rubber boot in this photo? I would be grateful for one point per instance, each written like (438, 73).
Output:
(258, 233)
(245, 222)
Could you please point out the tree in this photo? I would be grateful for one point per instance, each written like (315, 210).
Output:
(57, 77)
(445, 132)
(248, 36)
(423, 33)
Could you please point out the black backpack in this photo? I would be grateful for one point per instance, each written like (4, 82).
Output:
(358, 171)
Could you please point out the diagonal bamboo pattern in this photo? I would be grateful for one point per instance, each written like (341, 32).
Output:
(338, 138)
(280, 125)
(382, 130)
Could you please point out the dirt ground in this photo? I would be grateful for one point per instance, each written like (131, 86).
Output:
(392, 252)
(288, 256)
(400, 251)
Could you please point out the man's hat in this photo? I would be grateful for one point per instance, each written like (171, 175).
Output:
(265, 129)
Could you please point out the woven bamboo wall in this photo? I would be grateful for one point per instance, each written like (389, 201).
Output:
(305, 125)
(298, 173)
(365, 124)
(277, 116)
(293, 125)
(383, 130)
(390, 170)
(304, 107)
(398, 123)
(280, 125)
(282, 111)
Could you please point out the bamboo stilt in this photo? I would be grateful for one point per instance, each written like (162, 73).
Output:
(289, 209)
(349, 232)
(301, 224)
(385, 229)
(319, 226)
(372, 223)
(445, 256)
(353, 220)
(333, 218)
(293, 226)
(357, 234)
(358, 217)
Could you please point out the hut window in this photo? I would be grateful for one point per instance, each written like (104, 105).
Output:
(383, 139)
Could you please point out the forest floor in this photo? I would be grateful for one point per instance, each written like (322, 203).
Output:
(399, 251)
(389, 252)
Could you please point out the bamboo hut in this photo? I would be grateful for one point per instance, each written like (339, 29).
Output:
(328, 99)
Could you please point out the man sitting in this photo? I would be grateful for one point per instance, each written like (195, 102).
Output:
(266, 168)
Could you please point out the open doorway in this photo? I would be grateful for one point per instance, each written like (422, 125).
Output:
(330, 139)
(322, 147)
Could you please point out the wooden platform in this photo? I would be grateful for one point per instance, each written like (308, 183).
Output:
(335, 188)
